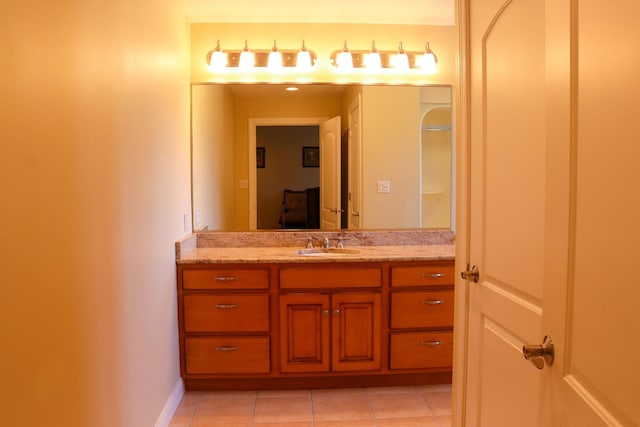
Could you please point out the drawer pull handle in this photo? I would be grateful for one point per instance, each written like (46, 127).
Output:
(227, 348)
(432, 275)
(225, 278)
(431, 301)
(226, 306)
(430, 343)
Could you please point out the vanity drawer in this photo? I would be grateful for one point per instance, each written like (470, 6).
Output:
(427, 309)
(227, 355)
(421, 350)
(422, 275)
(226, 313)
(225, 278)
(352, 277)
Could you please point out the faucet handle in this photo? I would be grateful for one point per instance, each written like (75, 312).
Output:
(310, 242)
(340, 243)
(326, 242)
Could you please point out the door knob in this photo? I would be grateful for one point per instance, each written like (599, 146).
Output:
(540, 354)
(473, 274)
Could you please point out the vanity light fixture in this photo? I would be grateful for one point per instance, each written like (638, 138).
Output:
(303, 59)
(372, 60)
(247, 60)
(399, 60)
(344, 60)
(429, 61)
(218, 59)
(273, 59)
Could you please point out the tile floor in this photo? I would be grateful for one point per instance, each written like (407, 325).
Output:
(428, 406)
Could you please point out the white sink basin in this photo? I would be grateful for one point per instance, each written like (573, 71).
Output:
(326, 251)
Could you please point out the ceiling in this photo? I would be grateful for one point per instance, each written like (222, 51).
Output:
(407, 12)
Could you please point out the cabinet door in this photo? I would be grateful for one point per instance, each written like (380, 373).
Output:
(356, 332)
(304, 333)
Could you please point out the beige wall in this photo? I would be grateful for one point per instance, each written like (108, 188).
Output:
(212, 125)
(323, 39)
(94, 165)
(391, 153)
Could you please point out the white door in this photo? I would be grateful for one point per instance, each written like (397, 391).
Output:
(554, 211)
(330, 174)
(355, 166)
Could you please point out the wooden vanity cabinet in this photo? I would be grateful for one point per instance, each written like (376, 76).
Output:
(334, 332)
(421, 316)
(224, 320)
(315, 324)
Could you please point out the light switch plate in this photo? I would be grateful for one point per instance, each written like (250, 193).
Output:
(384, 186)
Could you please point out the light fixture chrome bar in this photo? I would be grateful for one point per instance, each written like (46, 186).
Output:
(289, 57)
(386, 58)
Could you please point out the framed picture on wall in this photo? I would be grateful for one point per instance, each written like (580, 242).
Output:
(310, 157)
(260, 157)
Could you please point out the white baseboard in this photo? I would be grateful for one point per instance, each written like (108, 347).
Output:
(164, 419)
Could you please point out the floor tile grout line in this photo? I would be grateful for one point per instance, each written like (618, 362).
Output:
(433, 415)
(313, 415)
(373, 414)
(253, 409)
(195, 408)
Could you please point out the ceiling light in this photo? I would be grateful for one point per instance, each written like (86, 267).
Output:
(292, 89)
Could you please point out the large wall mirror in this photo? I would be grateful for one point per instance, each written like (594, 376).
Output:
(322, 156)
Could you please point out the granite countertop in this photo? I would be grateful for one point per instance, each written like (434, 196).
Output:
(291, 255)
(283, 247)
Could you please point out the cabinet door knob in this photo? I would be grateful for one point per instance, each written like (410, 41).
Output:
(336, 311)
(325, 312)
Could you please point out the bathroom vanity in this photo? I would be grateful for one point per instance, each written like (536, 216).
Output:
(284, 317)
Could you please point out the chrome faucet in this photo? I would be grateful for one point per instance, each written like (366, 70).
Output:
(326, 243)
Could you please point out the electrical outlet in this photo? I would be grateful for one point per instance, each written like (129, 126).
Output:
(243, 183)
(187, 223)
(384, 186)
(197, 218)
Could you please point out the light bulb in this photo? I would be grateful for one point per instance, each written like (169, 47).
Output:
(344, 61)
(218, 59)
(303, 60)
(401, 60)
(246, 58)
(275, 58)
(373, 60)
(429, 61)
